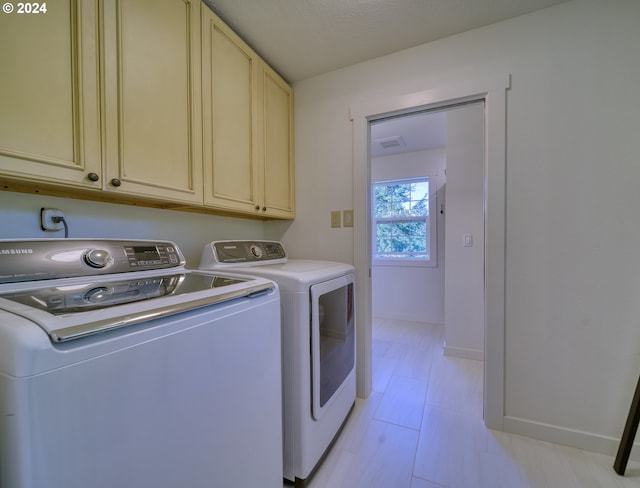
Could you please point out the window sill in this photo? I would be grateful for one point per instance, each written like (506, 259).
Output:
(412, 263)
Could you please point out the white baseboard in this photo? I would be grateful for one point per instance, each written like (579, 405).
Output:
(405, 317)
(461, 352)
(587, 441)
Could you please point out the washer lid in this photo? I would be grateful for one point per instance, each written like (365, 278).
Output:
(64, 299)
(73, 308)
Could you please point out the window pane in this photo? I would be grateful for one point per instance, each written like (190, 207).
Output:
(392, 200)
(401, 237)
(386, 200)
(420, 208)
(420, 191)
(383, 237)
(420, 199)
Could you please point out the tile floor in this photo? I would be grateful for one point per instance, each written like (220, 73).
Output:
(422, 428)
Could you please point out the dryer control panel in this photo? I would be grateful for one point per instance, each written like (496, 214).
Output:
(242, 253)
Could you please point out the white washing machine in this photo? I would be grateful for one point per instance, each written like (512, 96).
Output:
(318, 333)
(121, 368)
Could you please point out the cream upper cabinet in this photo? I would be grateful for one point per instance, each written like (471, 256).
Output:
(149, 101)
(277, 144)
(247, 109)
(229, 85)
(152, 105)
(49, 95)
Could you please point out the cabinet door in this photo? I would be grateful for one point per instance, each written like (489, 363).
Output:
(49, 99)
(277, 145)
(231, 178)
(152, 98)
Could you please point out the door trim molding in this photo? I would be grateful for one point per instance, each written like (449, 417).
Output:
(492, 90)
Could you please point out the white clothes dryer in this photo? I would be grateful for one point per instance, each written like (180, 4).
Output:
(318, 333)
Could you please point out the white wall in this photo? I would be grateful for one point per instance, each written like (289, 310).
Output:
(20, 218)
(413, 293)
(464, 275)
(572, 233)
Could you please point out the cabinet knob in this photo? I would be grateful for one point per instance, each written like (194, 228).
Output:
(116, 182)
(257, 207)
(93, 176)
(264, 209)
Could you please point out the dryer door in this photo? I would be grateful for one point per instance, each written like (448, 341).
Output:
(332, 340)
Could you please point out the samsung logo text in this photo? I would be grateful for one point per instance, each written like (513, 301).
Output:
(5, 252)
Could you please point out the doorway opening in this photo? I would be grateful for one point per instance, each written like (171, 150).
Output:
(492, 93)
(422, 272)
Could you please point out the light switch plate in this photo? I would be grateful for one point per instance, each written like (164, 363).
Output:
(347, 218)
(336, 218)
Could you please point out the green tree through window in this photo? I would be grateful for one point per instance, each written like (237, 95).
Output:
(401, 219)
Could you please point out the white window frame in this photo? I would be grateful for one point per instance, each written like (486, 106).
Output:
(432, 261)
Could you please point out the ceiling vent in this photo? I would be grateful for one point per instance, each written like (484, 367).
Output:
(391, 142)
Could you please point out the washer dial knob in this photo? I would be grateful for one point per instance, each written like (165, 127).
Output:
(256, 251)
(97, 258)
(97, 295)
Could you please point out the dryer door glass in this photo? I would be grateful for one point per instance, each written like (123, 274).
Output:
(332, 339)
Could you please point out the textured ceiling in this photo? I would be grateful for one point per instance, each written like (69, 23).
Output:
(420, 131)
(304, 38)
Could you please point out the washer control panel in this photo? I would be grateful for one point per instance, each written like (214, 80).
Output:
(44, 259)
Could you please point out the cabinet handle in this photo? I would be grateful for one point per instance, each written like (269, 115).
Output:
(93, 176)
(264, 209)
(116, 182)
(257, 207)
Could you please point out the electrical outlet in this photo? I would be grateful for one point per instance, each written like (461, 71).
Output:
(46, 219)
